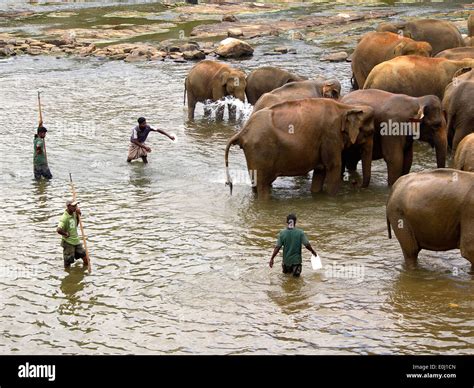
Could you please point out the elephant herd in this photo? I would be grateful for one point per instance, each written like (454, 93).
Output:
(416, 82)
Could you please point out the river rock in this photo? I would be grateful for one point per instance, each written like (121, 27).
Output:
(230, 18)
(7, 51)
(296, 35)
(272, 53)
(234, 48)
(193, 55)
(33, 51)
(282, 50)
(335, 57)
(86, 51)
(190, 46)
(234, 32)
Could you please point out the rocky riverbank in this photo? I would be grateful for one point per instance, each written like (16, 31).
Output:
(131, 42)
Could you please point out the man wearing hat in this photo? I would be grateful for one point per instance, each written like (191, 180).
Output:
(138, 148)
(67, 228)
(40, 161)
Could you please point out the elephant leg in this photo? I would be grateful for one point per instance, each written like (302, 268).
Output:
(220, 112)
(232, 111)
(264, 186)
(407, 159)
(319, 174)
(191, 105)
(394, 167)
(333, 179)
(406, 239)
(466, 245)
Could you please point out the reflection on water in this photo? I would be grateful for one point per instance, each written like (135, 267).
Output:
(180, 265)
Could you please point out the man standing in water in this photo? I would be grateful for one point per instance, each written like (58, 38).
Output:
(40, 161)
(138, 148)
(67, 227)
(291, 240)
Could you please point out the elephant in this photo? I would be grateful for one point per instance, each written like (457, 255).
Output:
(265, 79)
(423, 116)
(416, 76)
(464, 157)
(459, 108)
(457, 53)
(433, 210)
(440, 34)
(212, 80)
(297, 90)
(294, 137)
(378, 47)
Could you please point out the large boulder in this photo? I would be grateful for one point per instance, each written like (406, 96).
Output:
(234, 48)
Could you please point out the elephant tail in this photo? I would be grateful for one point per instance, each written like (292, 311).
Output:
(233, 141)
(184, 97)
(389, 229)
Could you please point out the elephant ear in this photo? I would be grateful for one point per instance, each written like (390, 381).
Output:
(351, 123)
(461, 71)
(398, 49)
(224, 78)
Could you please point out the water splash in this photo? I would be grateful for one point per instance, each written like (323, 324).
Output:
(243, 109)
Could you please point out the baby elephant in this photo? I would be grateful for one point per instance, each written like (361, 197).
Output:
(464, 157)
(433, 210)
(212, 80)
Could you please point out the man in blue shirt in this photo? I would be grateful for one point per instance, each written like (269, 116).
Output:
(138, 148)
(291, 239)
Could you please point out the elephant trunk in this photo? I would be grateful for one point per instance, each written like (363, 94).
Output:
(234, 140)
(441, 147)
(367, 161)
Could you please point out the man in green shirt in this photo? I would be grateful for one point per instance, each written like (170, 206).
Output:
(67, 227)
(291, 240)
(40, 161)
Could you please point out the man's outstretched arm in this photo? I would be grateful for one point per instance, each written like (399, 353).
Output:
(164, 133)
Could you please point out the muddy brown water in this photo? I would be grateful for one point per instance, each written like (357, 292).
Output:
(180, 265)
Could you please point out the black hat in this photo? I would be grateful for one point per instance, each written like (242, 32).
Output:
(141, 120)
(42, 129)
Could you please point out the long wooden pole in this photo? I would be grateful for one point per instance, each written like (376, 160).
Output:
(40, 124)
(89, 266)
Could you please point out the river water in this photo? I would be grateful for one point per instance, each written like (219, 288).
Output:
(179, 265)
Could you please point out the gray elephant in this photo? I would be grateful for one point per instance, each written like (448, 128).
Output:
(440, 34)
(398, 120)
(212, 81)
(330, 88)
(416, 76)
(459, 107)
(265, 79)
(433, 210)
(378, 47)
(295, 137)
(457, 53)
(464, 157)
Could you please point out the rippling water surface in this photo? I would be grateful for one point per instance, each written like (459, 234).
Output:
(180, 265)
